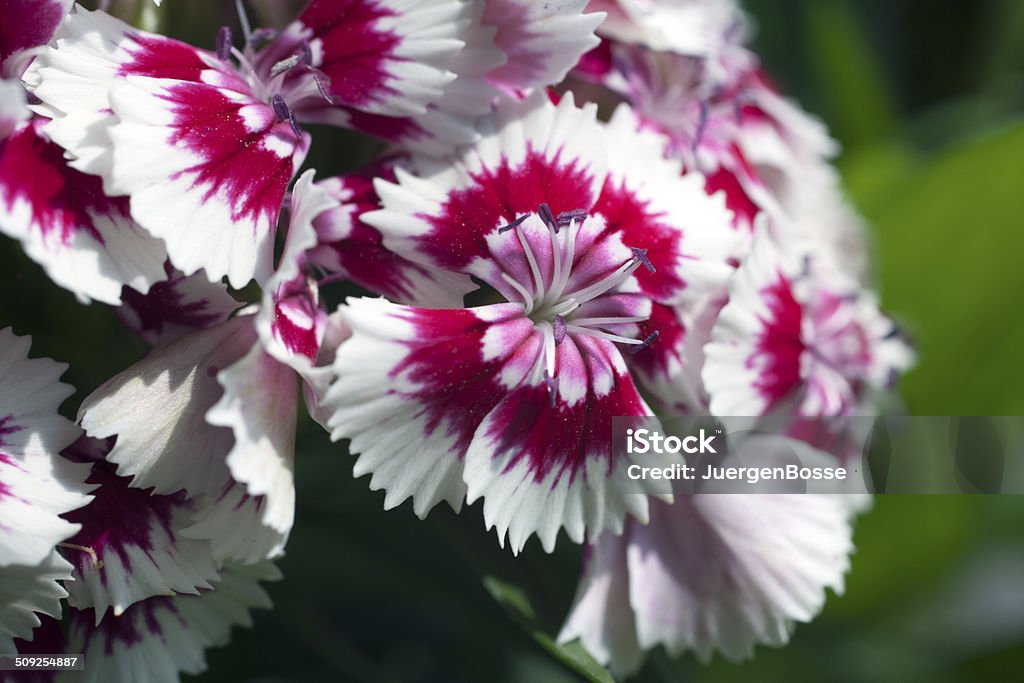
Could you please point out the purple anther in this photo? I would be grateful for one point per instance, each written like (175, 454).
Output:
(281, 108)
(637, 348)
(224, 43)
(544, 211)
(514, 224)
(560, 328)
(702, 124)
(567, 217)
(552, 384)
(641, 256)
(284, 113)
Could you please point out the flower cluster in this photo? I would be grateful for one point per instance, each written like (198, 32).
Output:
(537, 269)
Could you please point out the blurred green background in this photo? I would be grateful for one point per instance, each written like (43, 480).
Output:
(926, 98)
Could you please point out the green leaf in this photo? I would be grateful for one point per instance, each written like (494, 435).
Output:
(517, 603)
(860, 108)
(950, 243)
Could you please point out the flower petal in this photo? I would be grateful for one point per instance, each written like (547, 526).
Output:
(531, 152)
(232, 521)
(687, 233)
(28, 591)
(449, 120)
(13, 107)
(541, 467)
(130, 546)
(157, 408)
(46, 639)
(27, 24)
(351, 247)
(412, 386)
(712, 30)
(85, 240)
(290, 321)
(157, 639)
(72, 79)
(259, 406)
(543, 40)
(726, 572)
(601, 616)
(385, 57)
(36, 484)
(173, 308)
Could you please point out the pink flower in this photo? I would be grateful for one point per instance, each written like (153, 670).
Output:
(594, 243)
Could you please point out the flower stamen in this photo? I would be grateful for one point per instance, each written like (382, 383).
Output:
(567, 217)
(641, 256)
(224, 43)
(645, 343)
(97, 563)
(514, 224)
(546, 215)
(284, 113)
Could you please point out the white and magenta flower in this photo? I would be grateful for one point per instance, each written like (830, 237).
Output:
(712, 32)
(85, 240)
(160, 638)
(205, 143)
(130, 545)
(710, 573)
(211, 412)
(543, 272)
(799, 336)
(37, 486)
(511, 46)
(594, 243)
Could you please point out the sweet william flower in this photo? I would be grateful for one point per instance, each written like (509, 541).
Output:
(85, 240)
(130, 545)
(213, 410)
(160, 638)
(799, 336)
(205, 143)
(595, 243)
(711, 31)
(156, 639)
(710, 574)
(686, 84)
